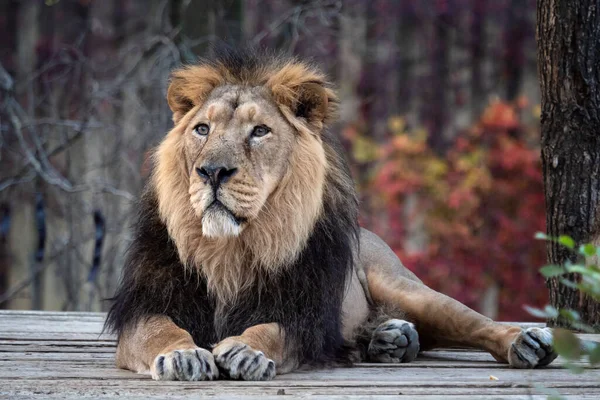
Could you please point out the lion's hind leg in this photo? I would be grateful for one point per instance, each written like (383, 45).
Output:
(442, 321)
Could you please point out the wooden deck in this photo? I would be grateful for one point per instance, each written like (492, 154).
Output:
(53, 355)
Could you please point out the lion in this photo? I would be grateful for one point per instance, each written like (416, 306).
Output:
(247, 259)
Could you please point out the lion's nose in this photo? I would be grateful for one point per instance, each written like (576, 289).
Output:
(215, 174)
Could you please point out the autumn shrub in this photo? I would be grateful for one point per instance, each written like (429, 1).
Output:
(464, 219)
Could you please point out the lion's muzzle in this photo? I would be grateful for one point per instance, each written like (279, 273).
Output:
(219, 221)
(215, 175)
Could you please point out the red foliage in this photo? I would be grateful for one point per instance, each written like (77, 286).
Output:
(472, 213)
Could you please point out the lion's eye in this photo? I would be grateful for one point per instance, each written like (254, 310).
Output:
(201, 129)
(260, 131)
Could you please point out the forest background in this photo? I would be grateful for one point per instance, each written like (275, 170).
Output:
(439, 117)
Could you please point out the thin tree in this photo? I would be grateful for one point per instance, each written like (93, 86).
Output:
(568, 34)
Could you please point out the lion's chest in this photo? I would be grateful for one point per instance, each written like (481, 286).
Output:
(210, 321)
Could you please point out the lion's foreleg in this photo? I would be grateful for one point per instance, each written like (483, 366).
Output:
(442, 321)
(157, 346)
(257, 354)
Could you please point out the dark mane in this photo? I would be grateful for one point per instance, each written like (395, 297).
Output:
(241, 62)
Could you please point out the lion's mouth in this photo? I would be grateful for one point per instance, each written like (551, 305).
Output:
(219, 221)
(222, 207)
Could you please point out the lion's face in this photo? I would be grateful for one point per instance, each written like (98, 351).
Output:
(237, 148)
(240, 180)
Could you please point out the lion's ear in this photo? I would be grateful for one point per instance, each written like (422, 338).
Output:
(312, 102)
(305, 92)
(189, 87)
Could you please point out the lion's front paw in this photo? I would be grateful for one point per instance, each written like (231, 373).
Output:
(532, 348)
(185, 365)
(394, 341)
(240, 361)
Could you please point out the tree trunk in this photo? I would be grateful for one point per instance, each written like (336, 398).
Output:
(440, 79)
(514, 51)
(381, 71)
(27, 37)
(568, 61)
(352, 50)
(4, 256)
(478, 40)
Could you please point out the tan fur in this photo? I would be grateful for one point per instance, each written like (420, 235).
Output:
(288, 81)
(278, 232)
(267, 338)
(139, 347)
(187, 90)
(441, 321)
(395, 292)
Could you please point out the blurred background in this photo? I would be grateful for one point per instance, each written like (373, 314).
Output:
(439, 116)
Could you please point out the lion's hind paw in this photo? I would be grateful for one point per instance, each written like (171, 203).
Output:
(532, 348)
(394, 341)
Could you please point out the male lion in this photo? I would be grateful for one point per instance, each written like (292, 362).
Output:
(246, 260)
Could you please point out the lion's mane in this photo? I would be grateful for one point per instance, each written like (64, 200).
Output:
(303, 291)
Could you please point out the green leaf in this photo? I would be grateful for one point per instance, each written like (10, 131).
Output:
(583, 327)
(547, 312)
(567, 344)
(569, 283)
(594, 268)
(579, 269)
(571, 315)
(536, 312)
(541, 236)
(556, 397)
(587, 250)
(595, 355)
(575, 369)
(590, 278)
(550, 311)
(552, 393)
(566, 241)
(550, 271)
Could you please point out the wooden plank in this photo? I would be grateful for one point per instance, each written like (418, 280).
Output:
(50, 314)
(438, 359)
(58, 355)
(125, 389)
(41, 335)
(51, 325)
(19, 326)
(47, 369)
(66, 343)
(242, 396)
(58, 347)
